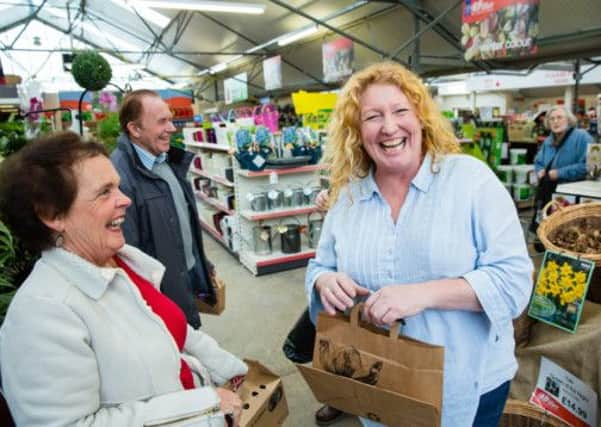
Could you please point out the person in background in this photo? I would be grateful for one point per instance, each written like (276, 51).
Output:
(88, 338)
(561, 158)
(162, 219)
(410, 225)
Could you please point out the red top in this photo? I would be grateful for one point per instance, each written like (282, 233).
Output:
(172, 316)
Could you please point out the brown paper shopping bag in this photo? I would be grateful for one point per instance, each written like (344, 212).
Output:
(204, 307)
(376, 374)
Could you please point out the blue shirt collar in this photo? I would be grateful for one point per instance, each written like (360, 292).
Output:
(147, 158)
(421, 181)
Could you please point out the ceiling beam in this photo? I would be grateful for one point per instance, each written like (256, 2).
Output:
(336, 30)
(132, 52)
(97, 47)
(267, 51)
(417, 35)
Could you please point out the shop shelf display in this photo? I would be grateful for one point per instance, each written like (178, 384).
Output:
(284, 205)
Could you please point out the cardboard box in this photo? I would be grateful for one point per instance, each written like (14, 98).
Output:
(520, 131)
(263, 399)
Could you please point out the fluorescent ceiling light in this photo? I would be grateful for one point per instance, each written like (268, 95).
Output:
(206, 6)
(218, 68)
(153, 16)
(297, 35)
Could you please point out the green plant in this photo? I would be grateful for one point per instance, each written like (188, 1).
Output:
(12, 137)
(109, 129)
(66, 116)
(91, 71)
(15, 265)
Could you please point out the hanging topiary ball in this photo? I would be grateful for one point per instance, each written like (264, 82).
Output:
(91, 71)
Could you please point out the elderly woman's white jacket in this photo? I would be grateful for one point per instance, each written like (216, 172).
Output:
(80, 347)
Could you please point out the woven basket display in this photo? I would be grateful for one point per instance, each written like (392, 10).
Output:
(562, 216)
(523, 414)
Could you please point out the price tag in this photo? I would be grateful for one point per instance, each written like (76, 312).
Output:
(564, 395)
(273, 177)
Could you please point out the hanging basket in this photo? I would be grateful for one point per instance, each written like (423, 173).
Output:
(522, 414)
(562, 216)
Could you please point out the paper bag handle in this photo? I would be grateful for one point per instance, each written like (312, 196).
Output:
(393, 333)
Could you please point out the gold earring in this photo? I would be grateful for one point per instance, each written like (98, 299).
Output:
(60, 240)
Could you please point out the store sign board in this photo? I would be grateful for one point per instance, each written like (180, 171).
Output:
(338, 56)
(235, 88)
(272, 72)
(499, 28)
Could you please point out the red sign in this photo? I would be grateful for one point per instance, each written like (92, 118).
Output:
(499, 28)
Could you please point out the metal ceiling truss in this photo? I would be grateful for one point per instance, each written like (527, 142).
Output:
(336, 30)
(440, 29)
(97, 47)
(266, 50)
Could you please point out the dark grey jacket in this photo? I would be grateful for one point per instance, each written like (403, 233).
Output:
(152, 225)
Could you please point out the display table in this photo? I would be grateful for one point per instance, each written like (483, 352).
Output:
(589, 189)
(578, 353)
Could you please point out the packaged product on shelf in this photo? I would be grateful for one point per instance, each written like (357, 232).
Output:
(517, 156)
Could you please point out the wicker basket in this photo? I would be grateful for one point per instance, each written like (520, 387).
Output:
(523, 414)
(564, 215)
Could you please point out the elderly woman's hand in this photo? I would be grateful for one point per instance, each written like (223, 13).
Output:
(395, 302)
(321, 201)
(337, 291)
(230, 405)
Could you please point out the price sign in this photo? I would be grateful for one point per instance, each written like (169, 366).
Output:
(565, 396)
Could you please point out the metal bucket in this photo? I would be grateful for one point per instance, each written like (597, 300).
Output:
(275, 199)
(262, 239)
(258, 201)
(315, 227)
(290, 238)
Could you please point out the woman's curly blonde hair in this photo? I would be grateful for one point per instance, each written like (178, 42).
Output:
(345, 156)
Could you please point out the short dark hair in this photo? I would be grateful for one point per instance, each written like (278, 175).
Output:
(39, 182)
(131, 107)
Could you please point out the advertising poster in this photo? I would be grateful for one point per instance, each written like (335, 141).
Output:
(272, 72)
(560, 290)
(565, 396)
(499, 28)
(338, 56)
(235, 88)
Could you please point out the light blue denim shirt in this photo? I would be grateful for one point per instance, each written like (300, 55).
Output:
(147, 158)
(457, 222)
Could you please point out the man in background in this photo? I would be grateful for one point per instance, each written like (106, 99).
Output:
(162, 219)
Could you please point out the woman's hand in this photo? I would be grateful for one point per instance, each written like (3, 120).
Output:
(395, 302)
(230, 404)
(321, 201)
(553, 174)
(337, 291)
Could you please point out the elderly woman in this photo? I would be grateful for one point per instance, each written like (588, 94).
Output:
(430, 235)
(561, 158)
(88, 339)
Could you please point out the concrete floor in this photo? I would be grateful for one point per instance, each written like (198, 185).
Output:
(259, 313)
